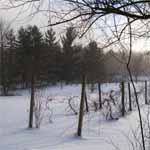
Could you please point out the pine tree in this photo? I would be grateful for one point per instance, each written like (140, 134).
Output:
(4, 29)
(70, 55)
(53, 54)
(23, 42)
(35, 59)
(31, 60)
(10, 59)
(92, 62)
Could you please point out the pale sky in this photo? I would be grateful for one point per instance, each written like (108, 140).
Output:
(18, 17)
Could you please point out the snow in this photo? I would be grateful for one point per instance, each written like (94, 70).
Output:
(60, 134)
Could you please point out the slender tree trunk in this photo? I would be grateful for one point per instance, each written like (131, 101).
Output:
(122, 98)
(129, 93)
(134, 88)
(146, 102)
(81, 113)
(32, 101)
(138, 107)
(86, 103)
(100, 97)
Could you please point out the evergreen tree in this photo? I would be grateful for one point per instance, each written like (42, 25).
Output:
(35, 58)
(70, 55)
(23, 43)
(10, 58)
(53, 54)
(31, 59)
(30, 53)
(50, 39)
(6, 73)
(92, 63)
(36, 53)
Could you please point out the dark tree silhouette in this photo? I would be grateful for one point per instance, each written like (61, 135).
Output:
(52, 56)
(70, 55)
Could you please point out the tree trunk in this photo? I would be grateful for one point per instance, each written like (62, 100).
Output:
(32, 101)
(86, 103)
(146, 102)
(80, 122)
(129, 93)
(100, 97)
(122, 98)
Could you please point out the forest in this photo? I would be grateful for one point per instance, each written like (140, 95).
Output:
(30, 52)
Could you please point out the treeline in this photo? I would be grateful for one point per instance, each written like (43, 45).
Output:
(29, 54)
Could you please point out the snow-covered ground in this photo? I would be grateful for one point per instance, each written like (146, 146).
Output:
(98, 134)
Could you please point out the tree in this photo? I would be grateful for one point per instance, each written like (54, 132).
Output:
(10, 59)
(92, 62)
(23, 54)
(53, 55)
(87, 12)
(3, 31)
(70, 55)
(31, 60)
(35, 48)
